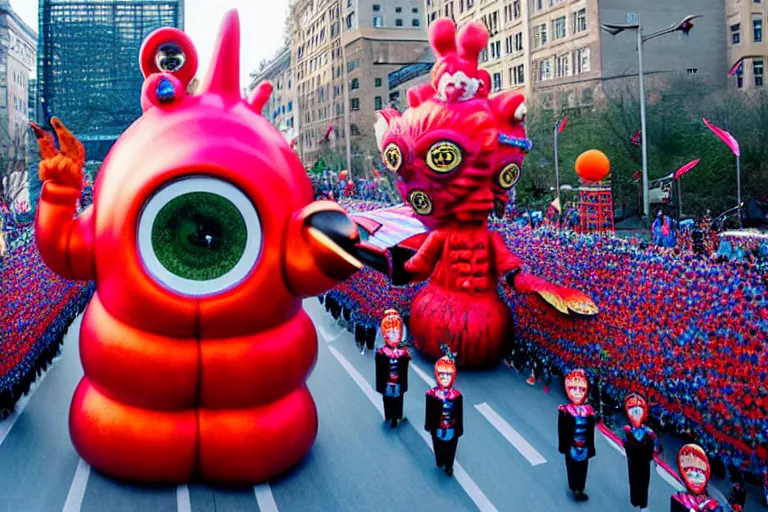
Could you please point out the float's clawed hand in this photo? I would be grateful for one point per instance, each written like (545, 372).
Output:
(561, 298)
(63, 166)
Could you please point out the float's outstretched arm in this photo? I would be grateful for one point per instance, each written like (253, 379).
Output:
(561, 298)
(65, 242)
(423, 263)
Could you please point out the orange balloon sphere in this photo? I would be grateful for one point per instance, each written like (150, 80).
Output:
(593, 166)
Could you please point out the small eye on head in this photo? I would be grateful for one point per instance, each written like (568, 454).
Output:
(508, 176)
(444, 157)
(170, 58)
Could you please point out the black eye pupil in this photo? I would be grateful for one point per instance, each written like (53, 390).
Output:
(170, 58)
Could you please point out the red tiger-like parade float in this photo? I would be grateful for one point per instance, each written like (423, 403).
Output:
(456, 153)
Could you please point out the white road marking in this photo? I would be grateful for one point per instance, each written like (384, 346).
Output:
(264, 498)
(10, 421)
(77, 489)
(465, 481)
(424, 376)
(326, 335)
(183, 503)
(614, 445)
(671, 480)
(511, 435)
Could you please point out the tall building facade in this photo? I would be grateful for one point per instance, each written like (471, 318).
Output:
(555, 51)
(279, 108)
(342, 54)
(88, 63)
(747, 42)
(18, 50)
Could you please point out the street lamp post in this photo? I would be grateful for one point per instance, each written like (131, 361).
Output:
(684, 26)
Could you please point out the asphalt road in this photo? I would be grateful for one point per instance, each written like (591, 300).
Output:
(507, 460)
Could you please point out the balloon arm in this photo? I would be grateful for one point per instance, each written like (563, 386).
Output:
(505, 261)
(561, 298)
(65, 241)
(423, 263)
(376, 258)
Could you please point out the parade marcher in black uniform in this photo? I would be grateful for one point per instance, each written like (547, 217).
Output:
(640, 444)
(392, 367)
(576, 432)
(737, 498)
(694, 468)
(445, 413)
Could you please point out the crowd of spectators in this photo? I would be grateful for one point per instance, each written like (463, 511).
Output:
(36, 308)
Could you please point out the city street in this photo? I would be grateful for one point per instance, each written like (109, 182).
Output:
(507, 459)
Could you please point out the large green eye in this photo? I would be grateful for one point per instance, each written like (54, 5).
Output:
(199, 236)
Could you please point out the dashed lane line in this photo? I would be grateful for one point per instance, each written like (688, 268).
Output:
(77, 488)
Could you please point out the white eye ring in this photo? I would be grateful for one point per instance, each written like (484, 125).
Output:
(191, 287)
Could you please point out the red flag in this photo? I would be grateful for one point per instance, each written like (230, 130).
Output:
(638, 176)
(637, 138)
(563, 123)
(687, 167)
(725, 137)
(737, 68)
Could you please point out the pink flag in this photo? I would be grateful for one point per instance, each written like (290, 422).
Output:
(563, 123)
(687, 167)
(725, 137)
(637, 139)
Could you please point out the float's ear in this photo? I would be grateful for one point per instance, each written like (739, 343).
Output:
(381, 127)
(419, 94)
(510, 107)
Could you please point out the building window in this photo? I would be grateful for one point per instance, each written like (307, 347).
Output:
(416, 22)
(376, 7)
(415, 10)
(692, 71)
(545, 70)
(579, 21)
(519, 74)
(398, 9)
(519, 42)
(736, 33)
(516, 8)
(757, 28)
(354, 130)
(398, 22)
(351, 21)
(558, 28)
(355, 84)
(561, 65)
(758, 72)
(377, 82)
(353, 65)
(581, 61)
(354, 104)
(587, 97)
(497, 81)
(377, 103)
(509, 45)
(378, 21)
(539, 35)
(539, 4)
(495, 49)
(484, 55)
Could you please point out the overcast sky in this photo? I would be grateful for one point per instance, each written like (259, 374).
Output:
(261, 24)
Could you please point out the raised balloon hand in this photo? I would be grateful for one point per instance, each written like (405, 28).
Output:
(62, 166)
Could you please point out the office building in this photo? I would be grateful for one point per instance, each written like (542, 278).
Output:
(279, 108)
(342, 54)
(18, 50)
(88, 63)
(747, 43)
(555, 51)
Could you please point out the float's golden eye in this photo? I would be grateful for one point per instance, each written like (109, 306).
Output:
(393, 157)
(420, 202)
(444, 157)
(509, 176)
